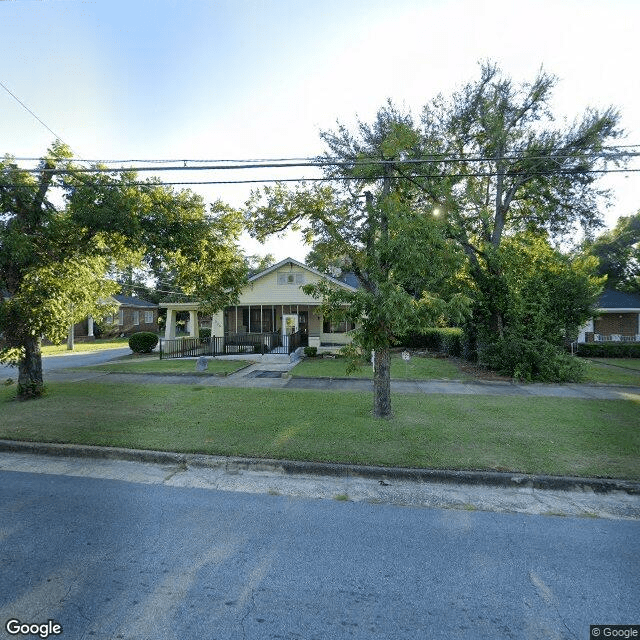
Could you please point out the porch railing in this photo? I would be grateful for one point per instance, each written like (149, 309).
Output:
(615, 338)
(231, 344)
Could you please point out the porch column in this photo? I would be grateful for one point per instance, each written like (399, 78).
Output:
(90, 326)
(170, 326)
(249, 320)
(194, 329)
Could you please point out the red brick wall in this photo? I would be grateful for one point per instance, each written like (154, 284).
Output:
(624, 324)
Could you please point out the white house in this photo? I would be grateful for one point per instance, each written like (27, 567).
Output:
(273, 302)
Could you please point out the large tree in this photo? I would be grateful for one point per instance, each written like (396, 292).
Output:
(55, 259)
(367, 222)
(501, 166)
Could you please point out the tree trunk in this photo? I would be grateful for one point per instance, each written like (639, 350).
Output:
(382, 384)
(30, 382)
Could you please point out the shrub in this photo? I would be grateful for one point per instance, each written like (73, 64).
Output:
(447, 340)
(311, 352)
(205, 332)
(143, 342)
(609, 350)
(530, 359)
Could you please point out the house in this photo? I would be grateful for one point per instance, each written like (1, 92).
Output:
(134, 314)
(618, 319)
(272, 304)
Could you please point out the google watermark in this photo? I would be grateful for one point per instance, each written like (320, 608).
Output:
(41, 629)
(598, 631)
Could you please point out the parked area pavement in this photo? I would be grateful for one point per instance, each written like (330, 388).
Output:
(501, 493)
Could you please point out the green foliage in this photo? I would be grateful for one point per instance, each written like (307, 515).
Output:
(447, 340)
(545, 297)
(618, 252)
(609, 350)
(57, 263)
(143, 342)
(530, 359)
(205, 332)
(311, 352)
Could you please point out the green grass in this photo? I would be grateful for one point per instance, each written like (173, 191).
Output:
(613, 371)
(591, 438)
(418, 368)
(95, 345)
(152, 364)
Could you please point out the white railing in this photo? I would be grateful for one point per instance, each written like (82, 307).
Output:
(615, 337)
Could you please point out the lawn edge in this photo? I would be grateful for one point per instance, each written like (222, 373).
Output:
(299, 467)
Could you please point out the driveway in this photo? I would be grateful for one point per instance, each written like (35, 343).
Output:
(71, 359)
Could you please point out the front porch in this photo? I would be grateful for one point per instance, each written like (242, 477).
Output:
(257, 328)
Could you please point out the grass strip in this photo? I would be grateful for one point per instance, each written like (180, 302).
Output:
(155, 365)
(82, 347)
(418, 368)
(612, 371)
(558, 436)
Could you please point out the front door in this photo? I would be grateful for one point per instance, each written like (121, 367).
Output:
(289, 324)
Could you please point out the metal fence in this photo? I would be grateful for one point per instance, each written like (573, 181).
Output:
(232, 344)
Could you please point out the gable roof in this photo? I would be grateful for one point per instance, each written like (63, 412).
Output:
(300, 265)
(611, 299)
(132, 301)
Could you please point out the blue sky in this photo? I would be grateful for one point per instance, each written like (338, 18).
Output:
(119, 79)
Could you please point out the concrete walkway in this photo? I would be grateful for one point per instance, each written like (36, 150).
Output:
(272, 372)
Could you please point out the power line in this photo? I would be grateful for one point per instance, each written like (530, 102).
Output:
(46, 126)
(327, 163)
(372, 178)
(333, 159)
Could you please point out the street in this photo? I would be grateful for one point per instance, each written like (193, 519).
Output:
(109, 558)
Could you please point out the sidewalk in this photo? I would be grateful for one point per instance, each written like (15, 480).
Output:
(274, 375)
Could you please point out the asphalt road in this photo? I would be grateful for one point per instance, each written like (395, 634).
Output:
(114, 559)
(54, 363)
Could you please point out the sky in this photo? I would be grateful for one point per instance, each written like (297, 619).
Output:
(244, 79)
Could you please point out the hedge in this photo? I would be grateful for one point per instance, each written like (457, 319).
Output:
(609, 350)
(447, 340)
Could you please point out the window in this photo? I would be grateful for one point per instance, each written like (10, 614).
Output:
(121, 317)
(148, 317)
(337, 327)
(136, 317)
(290, 278)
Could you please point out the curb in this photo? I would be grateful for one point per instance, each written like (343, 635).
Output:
(293, 467)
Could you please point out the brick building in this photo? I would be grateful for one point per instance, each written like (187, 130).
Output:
(134, 314)
(618, 319)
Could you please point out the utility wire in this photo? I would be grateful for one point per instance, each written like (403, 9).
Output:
(332, 159)
(44, 124)
(372, 178)
(329, 163)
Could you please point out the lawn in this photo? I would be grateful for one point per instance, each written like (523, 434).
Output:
(81, 347)
(613, 371)
(152, 364)
(418, 368)
(591, 438)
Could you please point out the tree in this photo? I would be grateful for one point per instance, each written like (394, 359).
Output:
(618, 251)
(365, 222)
(548, 297)
(55, 260)
(499, 167)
